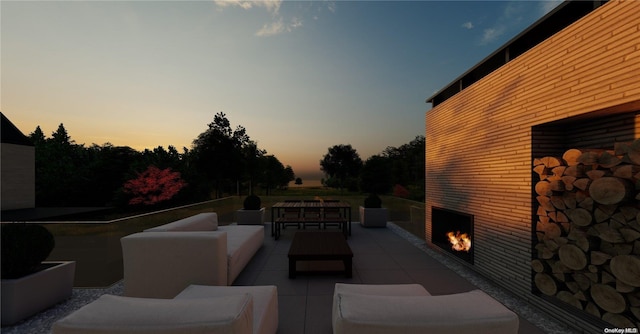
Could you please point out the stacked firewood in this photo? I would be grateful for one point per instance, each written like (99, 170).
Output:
(588, 231)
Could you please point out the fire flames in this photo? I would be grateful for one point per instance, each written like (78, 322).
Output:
(459, 242)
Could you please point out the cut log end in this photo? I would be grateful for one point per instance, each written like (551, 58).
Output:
(545, 284)
(607, 298)
(572, 257)
(626, 268)
(609, 190)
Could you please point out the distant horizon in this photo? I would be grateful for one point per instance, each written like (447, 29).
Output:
(306, 183)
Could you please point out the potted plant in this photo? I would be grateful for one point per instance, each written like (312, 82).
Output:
(251, 213)
(372, 214)
(30, 285)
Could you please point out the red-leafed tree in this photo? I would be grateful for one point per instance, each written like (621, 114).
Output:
(154, 185)
(400, 191)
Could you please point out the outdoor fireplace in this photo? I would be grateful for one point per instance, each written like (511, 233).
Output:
(453, 232)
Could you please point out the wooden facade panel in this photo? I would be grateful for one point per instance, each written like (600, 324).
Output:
(627, 38)
(592, 65)
(597, 80)
(630, 24)
(18, 177)
(631, 93)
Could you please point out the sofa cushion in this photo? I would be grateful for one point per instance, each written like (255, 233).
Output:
(265, 302)
(117, 314)
(206, 221)
(470, 312)
(382, 289)
(375, 290)
(243, 241)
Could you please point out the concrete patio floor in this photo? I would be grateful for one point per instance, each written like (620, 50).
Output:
(381, 256)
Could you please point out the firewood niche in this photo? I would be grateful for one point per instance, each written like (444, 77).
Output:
(587, 234)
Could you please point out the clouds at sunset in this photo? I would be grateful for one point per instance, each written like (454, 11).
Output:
(279, 21)
(272, 6)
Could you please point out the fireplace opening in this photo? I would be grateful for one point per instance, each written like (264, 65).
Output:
(453, 232)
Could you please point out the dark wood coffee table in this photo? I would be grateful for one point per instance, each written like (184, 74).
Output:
(319, 246)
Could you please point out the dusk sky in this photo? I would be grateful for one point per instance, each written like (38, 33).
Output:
(300, 76)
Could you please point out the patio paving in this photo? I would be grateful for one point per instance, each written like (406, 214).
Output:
(381, 256)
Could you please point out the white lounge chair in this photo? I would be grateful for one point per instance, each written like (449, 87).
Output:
(198, 309)
(410, 309)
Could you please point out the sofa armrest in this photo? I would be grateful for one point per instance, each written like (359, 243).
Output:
(161, 264)
(206, 221)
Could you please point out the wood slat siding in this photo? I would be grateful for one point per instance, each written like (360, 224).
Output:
(479, 142)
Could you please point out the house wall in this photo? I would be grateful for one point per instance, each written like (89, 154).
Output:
(18, 176)
(479, 142)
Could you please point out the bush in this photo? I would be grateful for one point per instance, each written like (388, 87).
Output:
(24, 247)
(154, 185)
(372, 201)
(252, 202)
(400, 191)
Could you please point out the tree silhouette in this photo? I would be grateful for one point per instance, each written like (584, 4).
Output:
(274, 174)
(217, 153)
(375, 176)
(342, 164)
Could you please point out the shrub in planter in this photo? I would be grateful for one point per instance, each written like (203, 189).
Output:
(252, 202)
(30, 285)
(372, 214)
(252, 213)
(24, 247)
(372, 201)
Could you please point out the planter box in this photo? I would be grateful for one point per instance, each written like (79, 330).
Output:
(26, 296)
(374, 217)
(250, 217)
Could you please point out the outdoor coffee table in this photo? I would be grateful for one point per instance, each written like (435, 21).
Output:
(319, 246)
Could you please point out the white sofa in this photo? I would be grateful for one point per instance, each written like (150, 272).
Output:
(410, 309)
(197, 309)
(162, 261)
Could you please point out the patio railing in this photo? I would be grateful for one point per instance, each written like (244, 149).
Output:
(95, 246)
